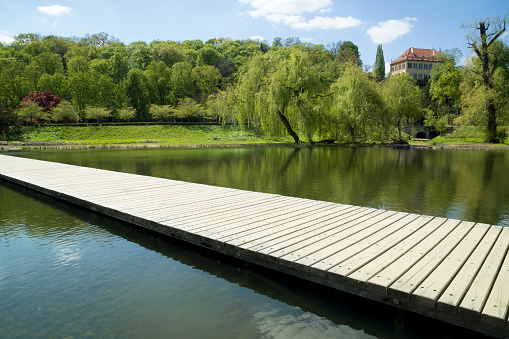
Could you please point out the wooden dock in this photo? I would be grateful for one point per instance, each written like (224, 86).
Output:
(452, 270)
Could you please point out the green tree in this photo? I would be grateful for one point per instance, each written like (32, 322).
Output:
(78, 86)
(206, 79)
(379, 66)
(96, 113)
(56, 83)
(403, 99)
(444, 89)
(358, 108)
(31, 112)
(160, 112)
(138, 93)
(277, 92)
(101, 90)
(181, 82)
(13, 84)
(208, 56)
(99, 66)
(158, 76)
(49, 63)
(78, 64)
(126, 113)
(474, 95)
(349, 52)
(119, 67)
(188, 108)
(65, 111)
(9, 123)
(139, 54)
(489, 31)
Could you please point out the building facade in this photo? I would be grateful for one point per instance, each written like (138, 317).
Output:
(417, 62)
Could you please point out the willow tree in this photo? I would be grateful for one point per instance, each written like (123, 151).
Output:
(403, 99)
(278, 92)
(358, 108)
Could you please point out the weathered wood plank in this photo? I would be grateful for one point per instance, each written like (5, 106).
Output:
(372, 248)
(410, 280)
(376, 264)
(475, 299)
(455, 292)
(428, 292)
(390, 274)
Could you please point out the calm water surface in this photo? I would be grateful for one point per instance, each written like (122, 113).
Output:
(65, 272)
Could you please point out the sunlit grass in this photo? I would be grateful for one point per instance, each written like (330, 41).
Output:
(460, 135)
(159, 134)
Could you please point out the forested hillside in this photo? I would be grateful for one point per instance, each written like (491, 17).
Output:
(311, 92)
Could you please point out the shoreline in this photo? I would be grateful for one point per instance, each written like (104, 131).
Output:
(55, 145)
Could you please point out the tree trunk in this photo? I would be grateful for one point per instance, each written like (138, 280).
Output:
(486, 75)
(492, 123)
(289, 128)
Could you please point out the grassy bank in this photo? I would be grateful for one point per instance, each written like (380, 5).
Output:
(464, 136)
(197, 135)
(154, 134)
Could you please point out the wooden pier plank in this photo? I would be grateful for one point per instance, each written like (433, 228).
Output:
(455, 292)
(383, 260)
(390, 274)
(428, 292)
(473, 303)
(410, 280)
(289, 254)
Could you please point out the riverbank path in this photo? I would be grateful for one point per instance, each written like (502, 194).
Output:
(456, 271)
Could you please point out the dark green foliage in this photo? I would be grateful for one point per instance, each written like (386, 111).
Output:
(10, 125)
(379, 66)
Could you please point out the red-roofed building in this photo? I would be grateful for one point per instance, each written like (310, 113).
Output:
(418, 62)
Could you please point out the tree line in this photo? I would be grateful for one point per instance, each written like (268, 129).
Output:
(311, 92)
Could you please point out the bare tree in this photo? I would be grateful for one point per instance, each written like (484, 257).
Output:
(334, 47)
(490, 30)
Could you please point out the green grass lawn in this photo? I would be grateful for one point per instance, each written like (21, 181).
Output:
(159, 134)
(460, 136)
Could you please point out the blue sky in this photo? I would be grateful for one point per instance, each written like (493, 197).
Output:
(396, 24)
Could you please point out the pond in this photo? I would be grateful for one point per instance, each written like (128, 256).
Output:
(67, 272)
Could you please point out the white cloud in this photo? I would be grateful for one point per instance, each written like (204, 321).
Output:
(54, 10)
(6, 39)
(257, 38)
(265, 7)
(291, 13)
(390, 30)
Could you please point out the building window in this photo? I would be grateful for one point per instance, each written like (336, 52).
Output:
(403, 66)
(420, 66)
(420, 76)
(409, 65)
(415, 65)
(415, 76)
(430, 66)
(425, 66)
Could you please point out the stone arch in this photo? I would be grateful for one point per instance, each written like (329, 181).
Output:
(421, 135)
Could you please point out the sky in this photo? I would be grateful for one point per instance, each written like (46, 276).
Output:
(396, 24)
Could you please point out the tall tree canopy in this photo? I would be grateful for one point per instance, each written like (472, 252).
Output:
(379, 66)
(481, 42)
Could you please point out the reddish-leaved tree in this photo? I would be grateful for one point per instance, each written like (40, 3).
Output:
(47, 100)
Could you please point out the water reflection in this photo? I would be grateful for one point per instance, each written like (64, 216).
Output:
(463, 184)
